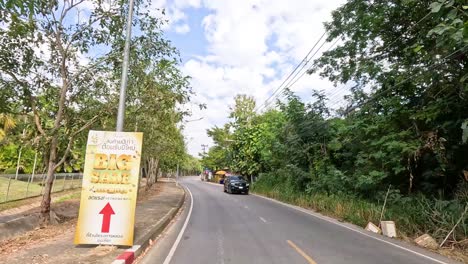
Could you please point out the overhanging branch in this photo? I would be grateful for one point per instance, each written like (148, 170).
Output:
(37, 120)
(72, 138)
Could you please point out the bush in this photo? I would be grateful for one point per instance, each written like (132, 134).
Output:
(290, 179)
(329, 180)
(461, 193)
(9, 171)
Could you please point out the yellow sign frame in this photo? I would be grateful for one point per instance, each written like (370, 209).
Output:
(109, 189)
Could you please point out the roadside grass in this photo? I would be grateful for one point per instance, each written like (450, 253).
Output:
(72, 196)
(350, 210)
(20, 189)
(56, 197)
(17, 189)
(412, 219)
(60, 184)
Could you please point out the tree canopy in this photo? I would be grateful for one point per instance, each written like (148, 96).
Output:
(60, 68)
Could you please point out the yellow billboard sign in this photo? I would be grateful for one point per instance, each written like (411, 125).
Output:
(109, 189)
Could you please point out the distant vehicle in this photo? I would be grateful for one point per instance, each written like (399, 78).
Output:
(236, 184)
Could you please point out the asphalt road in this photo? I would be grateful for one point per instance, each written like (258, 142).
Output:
(226, 228)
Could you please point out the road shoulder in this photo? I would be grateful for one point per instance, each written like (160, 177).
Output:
(165, 242)
(54, 244)
(402, 245)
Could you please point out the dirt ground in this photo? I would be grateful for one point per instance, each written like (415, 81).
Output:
(67, 213)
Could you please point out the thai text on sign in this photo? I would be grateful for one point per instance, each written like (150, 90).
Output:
(109, 190)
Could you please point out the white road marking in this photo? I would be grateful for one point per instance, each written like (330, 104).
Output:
(263, 219)
(246, 207)
(181, 233)
(352, 229)
(220, 246)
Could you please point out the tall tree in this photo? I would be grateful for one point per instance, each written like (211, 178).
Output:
(412, 55)
(60, 58)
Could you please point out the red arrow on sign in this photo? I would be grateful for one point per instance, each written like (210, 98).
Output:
(106, 217)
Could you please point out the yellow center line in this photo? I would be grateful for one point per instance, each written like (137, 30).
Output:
(303, 254)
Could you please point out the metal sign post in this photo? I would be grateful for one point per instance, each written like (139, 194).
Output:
(123, 85)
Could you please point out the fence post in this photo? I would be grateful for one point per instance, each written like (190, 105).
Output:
(8, 189)
(27, 188)
(18, 163)
(34, 167)
(63, 185)
(72, 181)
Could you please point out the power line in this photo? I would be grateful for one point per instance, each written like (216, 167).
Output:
(386, 48)
(382, 92)
(337, 90)
(408, 30)
(303, 73)
(281, 87)
(295, 69)
(294, 79)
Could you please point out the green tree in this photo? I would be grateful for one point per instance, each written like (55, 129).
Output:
(220, 155)
(61, 64)
(412, 55)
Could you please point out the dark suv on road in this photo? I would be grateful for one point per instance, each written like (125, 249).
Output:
(236, 184)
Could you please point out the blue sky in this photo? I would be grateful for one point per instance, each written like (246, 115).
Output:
(193, 42)
(248, 47)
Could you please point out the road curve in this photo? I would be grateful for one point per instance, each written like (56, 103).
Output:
(226, 228)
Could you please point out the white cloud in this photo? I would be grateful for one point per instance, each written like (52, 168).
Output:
(187, 3)
(182, 29)
(252, 46)
(174, 13)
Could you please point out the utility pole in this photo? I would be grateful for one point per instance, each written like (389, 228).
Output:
(204, 148)
(123, 84)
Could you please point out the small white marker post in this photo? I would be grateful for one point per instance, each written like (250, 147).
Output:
(177, 175)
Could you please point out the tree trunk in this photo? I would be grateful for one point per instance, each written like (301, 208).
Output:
(149, 166)
(45, 204)
(46, 197)
(156, 171)
(153, 168)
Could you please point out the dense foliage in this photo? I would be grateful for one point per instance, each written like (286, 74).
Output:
(404, 128)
